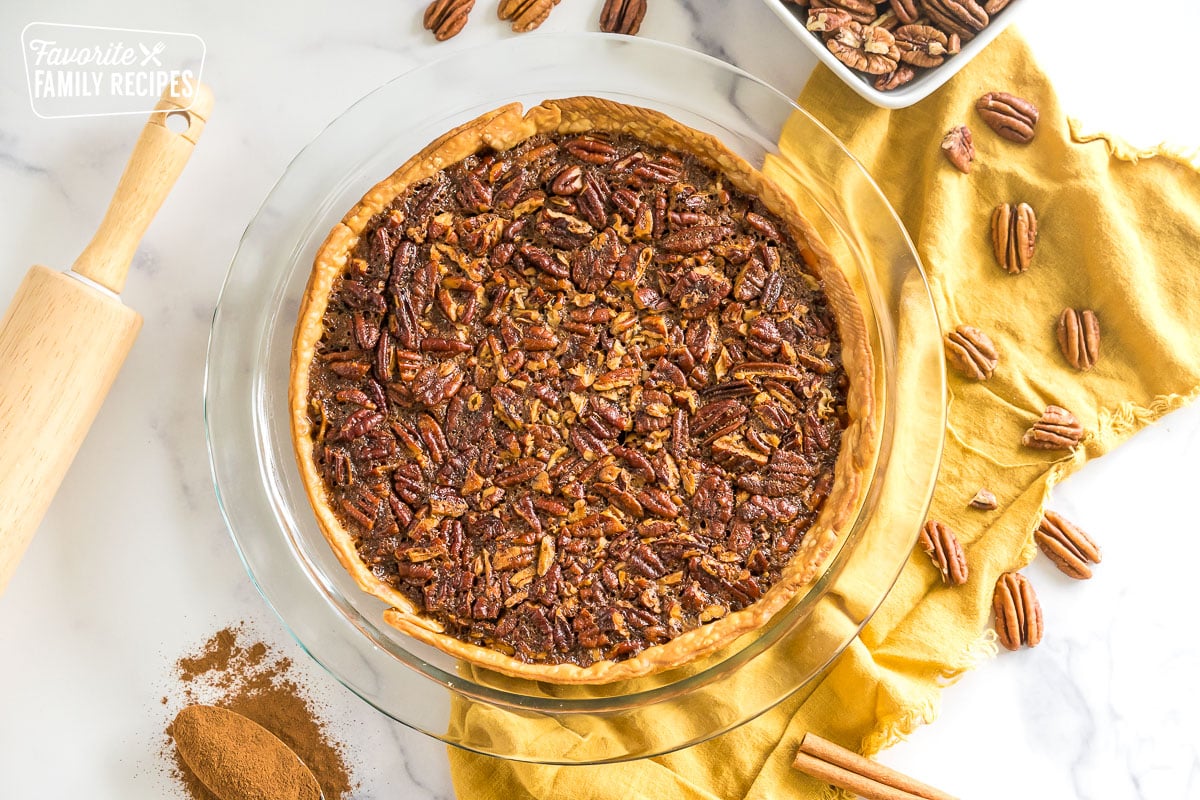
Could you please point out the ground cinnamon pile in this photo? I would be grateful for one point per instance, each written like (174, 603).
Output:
(245, 676)
(238, 759)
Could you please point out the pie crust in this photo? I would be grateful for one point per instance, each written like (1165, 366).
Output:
(500, 130)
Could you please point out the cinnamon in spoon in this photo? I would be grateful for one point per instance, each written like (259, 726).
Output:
(238, 759)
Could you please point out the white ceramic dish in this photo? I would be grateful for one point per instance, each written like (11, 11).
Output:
(928, 81)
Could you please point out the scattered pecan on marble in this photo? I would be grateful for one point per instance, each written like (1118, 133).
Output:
(1058, 429)
(941, 544)
(622, 16)
(957, 147)
(1067, 545)
(971, 352)
(1014, 236)
(1011, 117)
(525, 14)
(1079, 338)
(1018, 612)
(445, 18)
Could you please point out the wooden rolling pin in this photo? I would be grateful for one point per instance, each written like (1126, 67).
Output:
(66, 334)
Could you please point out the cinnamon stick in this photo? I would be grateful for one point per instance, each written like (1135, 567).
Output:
(848, 770)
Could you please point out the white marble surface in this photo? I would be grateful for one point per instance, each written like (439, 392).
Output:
(1106, 708)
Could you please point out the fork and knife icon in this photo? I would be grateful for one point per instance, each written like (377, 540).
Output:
(152, 55)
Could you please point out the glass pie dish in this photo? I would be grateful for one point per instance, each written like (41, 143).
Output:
(272, 523)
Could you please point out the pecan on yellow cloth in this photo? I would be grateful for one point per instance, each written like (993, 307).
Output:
(1119, 231)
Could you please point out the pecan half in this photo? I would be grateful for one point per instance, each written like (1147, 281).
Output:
(445, 18)
(697, 292)
(1011, 117)
(861, 11)
(906, 10)
(1014, 236)
(994, 7)
(622, 16)
(866, 49)
(963, 17)
(1067, 546)
(1018, 612)
(437, 383)
(887, 20)
(1079, 338)
(971, 352)
(826, 20)
(525, 14)
(1058, 429)
(922, 45)
(901, 75)
(940, 543)
(984, 500)
(957, 147)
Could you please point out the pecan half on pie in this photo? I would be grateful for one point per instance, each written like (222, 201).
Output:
(580, 394)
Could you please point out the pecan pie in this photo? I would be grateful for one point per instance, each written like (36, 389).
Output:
(580, 394)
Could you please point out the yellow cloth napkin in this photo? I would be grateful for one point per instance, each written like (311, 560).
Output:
(1119, 232)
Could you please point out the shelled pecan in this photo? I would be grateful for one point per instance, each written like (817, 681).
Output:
(525, 15)
(1011, 117)
(921, 45)
(1058, 429)
(963, 17)
(905, 10)
(984, 500)
(1079, 338)
(445, 18)
(861, 11)
(941, 544)
(971, 352)
(1018, 612)
(622, 16)
(1067, 545)
(958, 147)
(901, 75)
(864, 48)
(1014, 236)
(827, 20)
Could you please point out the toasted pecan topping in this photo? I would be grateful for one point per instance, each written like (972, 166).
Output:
(577, 398)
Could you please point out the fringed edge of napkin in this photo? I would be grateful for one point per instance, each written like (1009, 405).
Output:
(1122, 150)
(1119, 423)
(1128, 418)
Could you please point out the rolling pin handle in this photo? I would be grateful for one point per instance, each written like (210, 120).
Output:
(155, 164)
